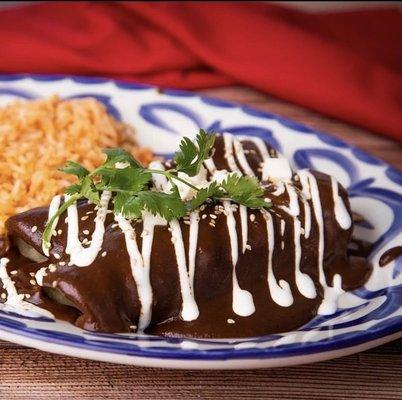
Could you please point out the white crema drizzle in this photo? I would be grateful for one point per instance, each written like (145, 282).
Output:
(189, 310)
(341, 213)
(280, 291)
(79, 255)
(241, 157)
(53, 207)
(244, 227)
(140, 273)
(331, 293)
(242, 301)
(306, 205)
(304, 283)
(15, 301)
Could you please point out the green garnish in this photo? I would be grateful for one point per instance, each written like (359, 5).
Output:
(133, 193)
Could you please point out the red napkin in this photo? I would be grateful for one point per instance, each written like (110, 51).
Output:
(347, 65)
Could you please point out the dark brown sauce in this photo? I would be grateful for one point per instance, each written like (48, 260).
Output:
(105, 296)
(359, 248)
(390, 255)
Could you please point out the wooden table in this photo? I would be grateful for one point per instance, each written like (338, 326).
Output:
(375, 374)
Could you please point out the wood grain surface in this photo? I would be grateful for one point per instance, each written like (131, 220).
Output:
(375, 374)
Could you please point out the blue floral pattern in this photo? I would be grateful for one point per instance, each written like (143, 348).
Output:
(369, 313)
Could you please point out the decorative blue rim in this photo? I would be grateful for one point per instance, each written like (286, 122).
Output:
(378, 331)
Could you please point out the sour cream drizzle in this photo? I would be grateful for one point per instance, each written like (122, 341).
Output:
(331, 293)
(241, 157)
(228, 141)
(293, 208)
(341, 213)
(307, 211)
(192, 248)
(303, 282)
(242, 302)
(15, 301)
(244, 227)
(79, 255)
(53, 207)
(280, 291)
(140, 273)
(189, 310)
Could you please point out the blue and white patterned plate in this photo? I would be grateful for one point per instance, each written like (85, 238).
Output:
(366, 318)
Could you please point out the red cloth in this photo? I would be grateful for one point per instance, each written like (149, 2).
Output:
(346, 65)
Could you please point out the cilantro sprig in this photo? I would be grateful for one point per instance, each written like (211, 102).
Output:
(133, 192)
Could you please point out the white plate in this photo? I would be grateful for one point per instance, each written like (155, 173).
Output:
(366, 318)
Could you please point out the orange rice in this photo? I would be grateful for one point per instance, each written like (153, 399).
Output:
(37, 137)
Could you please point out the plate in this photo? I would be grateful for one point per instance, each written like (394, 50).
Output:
(365, 318)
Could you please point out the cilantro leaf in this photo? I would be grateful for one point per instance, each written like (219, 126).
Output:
(245, 190)
(203, 194)
(123, 200)
(192, 154)
(74, 168)
(167, 205)
(119, 180)
(73, 189)
(114, 156)
(89, 191)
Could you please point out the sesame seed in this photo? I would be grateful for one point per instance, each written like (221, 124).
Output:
(133, 327)
(59, 232)
(56, 256)
(186, 222)
(34, 229)
(54, 284)
(211, 224)
(27, 295)
(89, 212)
(213, 216)
(282, 245)
(32, 273)
(3, 296)
(85, 232)
(252, 217)
(62, 263)
(52, 267)
(14, 272)
(66, 220)
(231, 321)
(248, 247)
(54, 233)
(104, 254)
(85, 241)
(32, 282)
(85, 217)
(204, 216)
